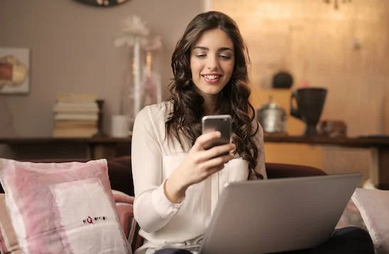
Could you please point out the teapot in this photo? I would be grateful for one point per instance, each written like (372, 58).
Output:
(272, 117)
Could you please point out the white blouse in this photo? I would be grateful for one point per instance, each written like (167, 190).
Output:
(154, 158)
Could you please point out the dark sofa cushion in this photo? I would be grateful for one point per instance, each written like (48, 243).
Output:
(120, 175)
(282, 170)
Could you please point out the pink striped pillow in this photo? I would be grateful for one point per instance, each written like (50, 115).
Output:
(62, 207)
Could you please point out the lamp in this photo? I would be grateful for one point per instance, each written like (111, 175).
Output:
(336, 3)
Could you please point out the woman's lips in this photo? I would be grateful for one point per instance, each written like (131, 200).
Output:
(212, 78)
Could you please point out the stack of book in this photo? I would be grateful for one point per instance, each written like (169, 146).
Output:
(75, 115)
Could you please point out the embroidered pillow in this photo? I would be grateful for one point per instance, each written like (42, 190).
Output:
(62, 207)
(124, 207)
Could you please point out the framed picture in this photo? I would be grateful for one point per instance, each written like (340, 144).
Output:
(14, 70)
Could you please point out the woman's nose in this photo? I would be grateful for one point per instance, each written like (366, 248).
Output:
(212, 63)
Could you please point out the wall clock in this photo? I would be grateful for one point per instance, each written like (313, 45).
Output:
(103, 3)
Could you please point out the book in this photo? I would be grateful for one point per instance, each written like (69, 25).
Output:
(76, 115)
(74, 132)
(77, 97)
(89, 104)
(70, 124)
(78, 107)
(72, 116)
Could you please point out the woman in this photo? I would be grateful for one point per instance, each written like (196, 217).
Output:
(177, 181)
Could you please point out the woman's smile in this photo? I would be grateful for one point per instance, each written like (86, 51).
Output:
(212, 78)
(212, 63)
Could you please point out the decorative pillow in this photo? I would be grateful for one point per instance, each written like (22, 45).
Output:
(124, 207)
(8, 241)
(124, 204)
(374, 208)
(351, 217)
(62, 207)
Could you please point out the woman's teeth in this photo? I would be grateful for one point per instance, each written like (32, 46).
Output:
(211, 77)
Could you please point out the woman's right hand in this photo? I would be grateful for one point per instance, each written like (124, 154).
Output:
(198, 165)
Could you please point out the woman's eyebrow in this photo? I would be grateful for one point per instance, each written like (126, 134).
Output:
(220, 49)
(225, 48)
(201, 47)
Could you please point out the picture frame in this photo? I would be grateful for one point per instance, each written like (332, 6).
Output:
(14, 71)
(102, 3)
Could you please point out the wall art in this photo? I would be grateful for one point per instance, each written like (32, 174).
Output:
(14, 70)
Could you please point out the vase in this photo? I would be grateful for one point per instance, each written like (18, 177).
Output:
(310, 103)
(142, 80)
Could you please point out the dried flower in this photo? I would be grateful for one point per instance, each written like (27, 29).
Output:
(153, 43)
(133, 29)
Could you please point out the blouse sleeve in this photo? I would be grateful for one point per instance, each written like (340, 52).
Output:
(259, 139)
(152, 209)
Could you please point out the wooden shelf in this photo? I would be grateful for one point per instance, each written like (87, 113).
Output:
(362, 142)
(109, 147)
(379, 146)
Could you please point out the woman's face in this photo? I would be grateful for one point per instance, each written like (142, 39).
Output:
(212, 62)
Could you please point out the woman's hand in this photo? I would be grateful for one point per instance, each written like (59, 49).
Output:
(198, 165)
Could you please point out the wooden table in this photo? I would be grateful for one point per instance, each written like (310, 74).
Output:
(108, 147)
(379, 146)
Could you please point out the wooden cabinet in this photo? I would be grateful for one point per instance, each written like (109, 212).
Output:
(67, 148)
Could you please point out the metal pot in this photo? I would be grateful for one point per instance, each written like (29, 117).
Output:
(272, 117)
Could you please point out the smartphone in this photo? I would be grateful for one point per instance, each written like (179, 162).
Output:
(221, 123)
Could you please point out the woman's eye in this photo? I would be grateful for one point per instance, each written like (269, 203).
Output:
(225, 57)
(201, 55)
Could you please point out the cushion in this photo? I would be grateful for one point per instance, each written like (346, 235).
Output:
(124, 207)
(351, 217)
(62, 207)
(120, 174)
(373, 205)
(131, 228)
(8, 240)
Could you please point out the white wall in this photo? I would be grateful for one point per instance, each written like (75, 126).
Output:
(72, 50)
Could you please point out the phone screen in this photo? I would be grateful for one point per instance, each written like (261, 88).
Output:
(221, 123)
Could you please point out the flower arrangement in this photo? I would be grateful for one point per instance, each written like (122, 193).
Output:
(133, 30)
(144, 86)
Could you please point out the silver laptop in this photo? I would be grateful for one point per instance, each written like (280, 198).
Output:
(255, 217)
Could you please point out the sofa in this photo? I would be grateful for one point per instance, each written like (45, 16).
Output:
(121, 184)
(360, 211)
(367, 208)
(120, 172)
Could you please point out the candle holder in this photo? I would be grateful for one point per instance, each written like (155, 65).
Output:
(100, 133)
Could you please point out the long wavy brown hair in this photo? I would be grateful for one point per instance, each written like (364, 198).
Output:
(187, 112)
